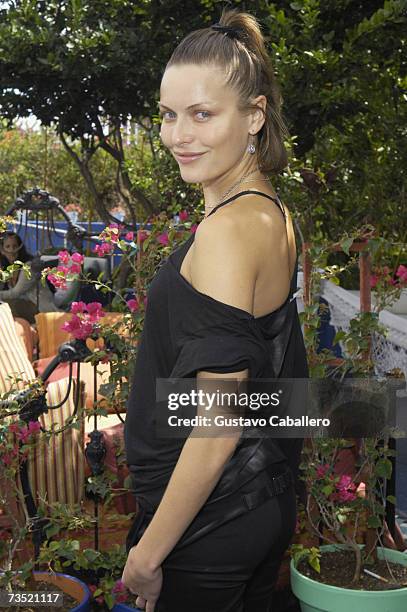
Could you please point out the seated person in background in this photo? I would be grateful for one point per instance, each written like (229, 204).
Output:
(19, 291)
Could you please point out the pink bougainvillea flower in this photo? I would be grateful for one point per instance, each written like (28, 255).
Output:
(345, 489)
(346, 496)
(103, 249)
(78, 328)
(23, 434)
(95, 311)
(142, 235)
(322, 470)
(193, 228)
(93, 307)
(98, 250)
(84, 317)
(129, 236)
(85, 330)
(132, 305)
(34, 427)
(63, 269)
(163, 239)
(7, 459)
(119, 586)
(345, 481)
(64, 257)
(183, 215)
(374, 279)
(77, 307)
(14, 428)
(72, 325)
(59, 283)
(120, 592)
(78, 258)
(75, 269)
(401, 272)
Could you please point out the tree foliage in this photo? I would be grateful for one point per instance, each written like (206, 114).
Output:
(86, 67)
(36, 157)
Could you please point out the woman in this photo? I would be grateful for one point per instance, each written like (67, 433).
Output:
(19, 291)
(217, 513)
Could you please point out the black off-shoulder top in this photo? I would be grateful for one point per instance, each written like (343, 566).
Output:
(186, 331)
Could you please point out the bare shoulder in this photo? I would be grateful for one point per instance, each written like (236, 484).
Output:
(222, 265)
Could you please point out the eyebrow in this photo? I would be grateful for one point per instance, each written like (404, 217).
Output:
(188, 107)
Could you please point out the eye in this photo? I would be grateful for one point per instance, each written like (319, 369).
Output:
(205, 114)
(163, 115)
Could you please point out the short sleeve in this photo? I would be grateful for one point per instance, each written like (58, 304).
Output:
(230, 347)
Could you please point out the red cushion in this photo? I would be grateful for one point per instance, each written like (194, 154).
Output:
(87, 375)
(61, 371)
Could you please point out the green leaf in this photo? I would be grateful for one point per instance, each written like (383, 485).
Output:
(383, 468)
(315, 564)
(346, 244)
(374, 522)
(327, 490)
(52, 530)
(340, 335)
(341, 518)
(109, 600)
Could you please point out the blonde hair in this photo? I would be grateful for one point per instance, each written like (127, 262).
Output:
(248, 70)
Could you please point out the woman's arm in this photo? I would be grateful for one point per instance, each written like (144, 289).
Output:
(203, 459)
(20, 289)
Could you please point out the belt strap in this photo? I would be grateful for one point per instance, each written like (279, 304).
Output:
(237, 505)
(216, 514)
(274, 486)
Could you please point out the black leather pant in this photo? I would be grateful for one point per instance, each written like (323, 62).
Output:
(228, 559)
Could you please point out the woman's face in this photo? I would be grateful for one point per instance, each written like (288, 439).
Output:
(11, 247)
(200, 116)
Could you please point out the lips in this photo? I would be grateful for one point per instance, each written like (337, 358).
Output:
(186, 158)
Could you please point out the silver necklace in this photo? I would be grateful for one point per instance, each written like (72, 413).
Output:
(237, 184)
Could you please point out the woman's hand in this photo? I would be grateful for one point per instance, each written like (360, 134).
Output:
(140, 579)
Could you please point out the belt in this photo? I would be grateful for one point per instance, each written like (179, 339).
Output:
(220, 511)
(274, 485)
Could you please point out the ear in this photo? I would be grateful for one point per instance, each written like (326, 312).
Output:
(257, 116)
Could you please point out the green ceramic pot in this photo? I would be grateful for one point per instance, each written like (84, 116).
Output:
(317, 597)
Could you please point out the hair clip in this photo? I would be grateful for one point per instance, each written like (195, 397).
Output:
(233, 32)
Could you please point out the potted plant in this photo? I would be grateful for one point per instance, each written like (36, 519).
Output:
(346, 486)
(17, 576)
(100, 569)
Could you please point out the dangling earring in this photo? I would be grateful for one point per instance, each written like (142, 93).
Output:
(251, 148)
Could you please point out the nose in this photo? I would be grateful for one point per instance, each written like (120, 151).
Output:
(182, 132)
